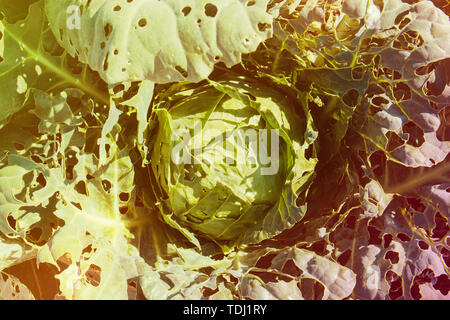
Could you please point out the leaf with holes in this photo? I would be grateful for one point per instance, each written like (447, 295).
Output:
(29, 61)
(389, 59)
(296, 273)
(162, 41)
(95, 234)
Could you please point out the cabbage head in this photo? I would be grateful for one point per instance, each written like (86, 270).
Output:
(231, 160)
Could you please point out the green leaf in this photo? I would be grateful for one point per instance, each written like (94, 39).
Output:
(95, 236)
(160, 41)
(30, 59)
(232, 204)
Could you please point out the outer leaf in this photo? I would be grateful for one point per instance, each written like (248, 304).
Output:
(49, 177)
(282, 290)
(23, 200)
(419, 54)
(336, 280)
(94, 236)
(161, 41)
(338, 43)
(29, 61)
(401, 253)
(184, 270)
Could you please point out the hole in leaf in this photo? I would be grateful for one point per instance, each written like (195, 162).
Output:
(387, 238)
(394, 141)
(265, 262)
(118, 88)
(81, 188)
(319, 247)
(263, 26)
(41, 180)
(105, 63)
(350, 222)
(416, 134)
(374, 89)
(426, 276)
(268, 276)
(132, 289)
(87, 250)
(442, 284)
(290, 268)
(423, 245)
(426, 69)
(379, 101)
(391, 74)
(344, 257)
(77, 205)
(124, 196)
(142, 22)
(117, 8)
(18, 146)
(374, 234)
(210, 10)
(106, 185)
(443, 132)
(207, 292)
(396, 285)
(350, 98)
(123, 209)
(36, 159)
(252, 97)
(416, 204)
(64, 261)
(309, 152)
(378, 163)
(374, 109)
(400, 18)
(441, 226)
(93, 275)
(107, 30)
(402, 91)
(34, 235)
(392, 256)
(186, 10)
(403, 237)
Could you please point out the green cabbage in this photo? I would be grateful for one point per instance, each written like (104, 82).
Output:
(213, 170)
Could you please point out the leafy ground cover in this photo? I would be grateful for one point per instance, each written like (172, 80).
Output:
(93, 207)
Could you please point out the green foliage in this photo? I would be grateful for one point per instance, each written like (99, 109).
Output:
(247, 199)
